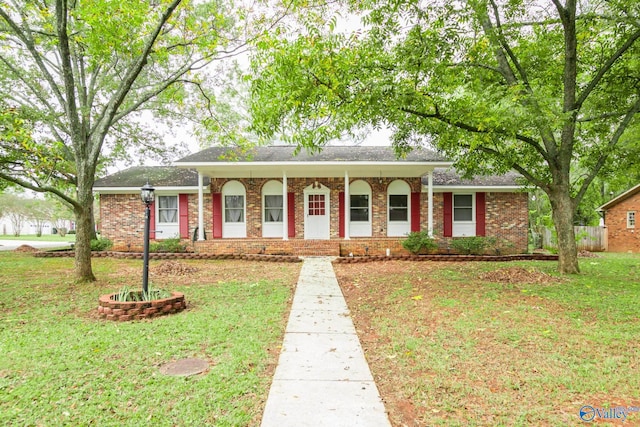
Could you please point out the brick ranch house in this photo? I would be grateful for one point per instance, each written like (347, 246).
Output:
(620, 215)
(343, 200)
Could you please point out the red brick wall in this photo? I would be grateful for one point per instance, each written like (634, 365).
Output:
(507, 219)
(621, 238)
(122, 220)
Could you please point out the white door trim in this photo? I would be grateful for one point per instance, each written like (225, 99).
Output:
(317, 226)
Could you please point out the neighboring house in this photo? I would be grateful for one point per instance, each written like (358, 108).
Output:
(359, 200)
(620, 214)
(30, 227)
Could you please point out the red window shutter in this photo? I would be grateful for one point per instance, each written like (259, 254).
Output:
(480, 214)
(217, 215)
(152, 221)
(448, 214)
(291, 214)
(183, 207)
(341, 214)
(415, 211)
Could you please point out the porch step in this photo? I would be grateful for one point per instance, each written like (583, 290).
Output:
(315, 247)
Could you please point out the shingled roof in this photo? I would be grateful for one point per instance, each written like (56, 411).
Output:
(285, 153)
(451, 178)
(158, 176)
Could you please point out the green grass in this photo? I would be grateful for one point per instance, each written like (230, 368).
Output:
(43, 238)
(63, 366)
(475, 352)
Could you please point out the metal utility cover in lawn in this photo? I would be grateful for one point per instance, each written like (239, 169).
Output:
(185, 367)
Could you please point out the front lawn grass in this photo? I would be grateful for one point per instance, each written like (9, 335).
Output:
(63, 366)
(488, 344)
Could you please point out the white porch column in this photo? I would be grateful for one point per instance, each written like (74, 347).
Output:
(430, 201)
(285, 208)
(200, 207)
(347, 207)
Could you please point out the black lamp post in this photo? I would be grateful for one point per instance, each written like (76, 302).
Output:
(147, 196)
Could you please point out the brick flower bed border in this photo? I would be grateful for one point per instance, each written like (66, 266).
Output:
(181, 255)
(494, 258)
(293, 258)
(111, 309)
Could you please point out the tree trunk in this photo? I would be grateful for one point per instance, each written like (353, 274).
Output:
(84, 231)
(562, 214)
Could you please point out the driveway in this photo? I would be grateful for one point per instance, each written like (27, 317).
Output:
(9, 245)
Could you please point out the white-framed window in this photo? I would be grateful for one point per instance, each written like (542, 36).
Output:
(631, 219)
(464, 223)
(359, 205)
(234, 210)
(398, 208)
(462, 207)
(359, 209)
(272, 209)
(167, 209)
(167, 216)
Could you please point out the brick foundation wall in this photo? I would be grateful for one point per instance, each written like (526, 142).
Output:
(621, 238)
(122, 220)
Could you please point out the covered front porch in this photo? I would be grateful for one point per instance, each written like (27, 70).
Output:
(314, 198)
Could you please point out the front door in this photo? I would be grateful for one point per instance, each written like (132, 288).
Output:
(316, 218)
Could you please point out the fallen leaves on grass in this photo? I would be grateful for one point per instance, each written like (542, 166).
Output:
(174, 268)
(518, 275)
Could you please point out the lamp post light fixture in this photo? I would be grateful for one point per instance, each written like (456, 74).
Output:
(146, 193)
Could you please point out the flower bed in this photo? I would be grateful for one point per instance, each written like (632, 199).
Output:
(110, 308)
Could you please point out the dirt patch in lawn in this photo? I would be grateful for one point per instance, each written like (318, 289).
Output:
(465, 344)
(26, 249)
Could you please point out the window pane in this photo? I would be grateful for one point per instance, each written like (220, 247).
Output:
(273, 208)
(234, 208)
(462, 200)
(463, 214)
(398, 207)
(167, 209)
(360, 214)
(398, 201)
(168, 202)
(360, 201)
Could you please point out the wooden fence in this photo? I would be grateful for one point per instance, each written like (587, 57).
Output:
(588, 238)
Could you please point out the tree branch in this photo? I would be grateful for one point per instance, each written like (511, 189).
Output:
(129, 78)
(469, 128)
(635, 108)
(46, 189)
(605, 68)
(27, 40)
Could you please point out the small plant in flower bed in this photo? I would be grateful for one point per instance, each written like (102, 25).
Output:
(472, 245)
(172, 245)
(418, 242)
(126, 294)
(101, 244)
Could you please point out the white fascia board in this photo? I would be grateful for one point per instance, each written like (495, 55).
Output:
(136, 190)
(294, 163)
(477, 188)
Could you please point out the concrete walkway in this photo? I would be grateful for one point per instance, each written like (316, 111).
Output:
(322, 378)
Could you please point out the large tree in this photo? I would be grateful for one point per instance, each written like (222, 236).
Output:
(76, 77)
(550, 89)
